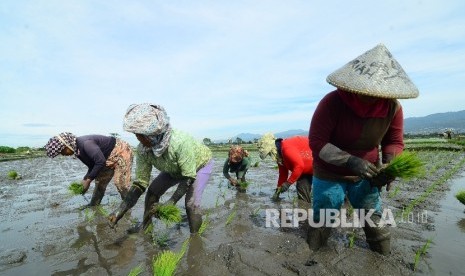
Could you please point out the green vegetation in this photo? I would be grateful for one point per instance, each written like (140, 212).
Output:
(168, 213)
(405, 165)
(205, 224)
(256, 164)
(461, 196)
(166, 262)
(9, 153)
(5, 149)
(352, 238)
(136, 271)
(13, 175)
(76, 188)
(420, 252)
(231, 217)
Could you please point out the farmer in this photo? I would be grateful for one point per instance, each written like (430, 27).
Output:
(351, 127)
(106, 157)
(291, 154)
(238, 162)
(181, 160)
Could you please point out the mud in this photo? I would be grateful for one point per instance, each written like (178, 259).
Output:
(43, 232)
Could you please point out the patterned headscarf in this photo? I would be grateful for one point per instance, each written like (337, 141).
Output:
(236, 154)
(152, 121)
(57, 143)
(266, 146)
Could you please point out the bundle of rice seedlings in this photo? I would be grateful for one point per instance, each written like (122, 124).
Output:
(405, 165)
(76, 188)
(12, 175)
(461, 196)
(243, 185)
(168, 213)
(166, 263)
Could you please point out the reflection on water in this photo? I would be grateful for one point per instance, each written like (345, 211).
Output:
(461, 224)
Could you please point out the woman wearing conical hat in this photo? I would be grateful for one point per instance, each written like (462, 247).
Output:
(348, 130)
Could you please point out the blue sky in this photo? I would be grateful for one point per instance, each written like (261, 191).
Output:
(218, 67)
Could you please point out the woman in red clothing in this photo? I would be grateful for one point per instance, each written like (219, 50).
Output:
(351, 127)
(292, 155)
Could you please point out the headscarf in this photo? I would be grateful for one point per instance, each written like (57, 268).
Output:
(236, 154)
(266, 146)
(152, 121)
(57, 143)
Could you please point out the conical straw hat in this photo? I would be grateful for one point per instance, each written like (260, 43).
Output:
(375, 73)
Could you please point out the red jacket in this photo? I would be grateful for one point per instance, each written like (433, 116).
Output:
(297, 158)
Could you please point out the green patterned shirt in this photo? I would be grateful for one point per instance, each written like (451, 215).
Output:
(183, 158)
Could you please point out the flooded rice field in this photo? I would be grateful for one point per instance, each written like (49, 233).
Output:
(43, 231)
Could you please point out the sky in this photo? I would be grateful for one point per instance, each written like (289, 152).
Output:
(219, 68)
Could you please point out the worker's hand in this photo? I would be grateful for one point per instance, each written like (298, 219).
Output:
(233, 181)
(362, 167)
(382, 179)
(285, 187)
(275, 196)
(85, 184)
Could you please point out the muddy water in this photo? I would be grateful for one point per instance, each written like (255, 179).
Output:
(43, 232)
(448, 241)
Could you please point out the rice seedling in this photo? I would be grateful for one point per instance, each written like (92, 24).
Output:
(420, 252)
(461, 196)
(231, 216)
(162, 239)
(166, 262)
(443, 179)
(149, 229)
(12, 175)
(89, 215)
(205, 224)
(102, 211)
(352, 238)
(405, 165)
(244, 184)
(255, 212)
(256, 164)
(76, 188)
(136, 271)
(168, 213)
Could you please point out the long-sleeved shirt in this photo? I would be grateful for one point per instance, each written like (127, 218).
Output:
(240, 167)
(297, 158)
(93, 151)
(182, 159)
(334, 122)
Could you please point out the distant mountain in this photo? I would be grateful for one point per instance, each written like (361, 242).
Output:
(252, 136)
(435, 123)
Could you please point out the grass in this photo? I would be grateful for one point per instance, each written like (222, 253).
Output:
(102, 211)
(76, 188)
(12, 175)
(136, 271)
(420, 252)
(168, 213)
(256, 164)
(461, 196)
(405, 165)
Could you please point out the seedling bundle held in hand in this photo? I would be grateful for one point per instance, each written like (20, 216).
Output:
(405, 165)
(168, 213)
(76, 188)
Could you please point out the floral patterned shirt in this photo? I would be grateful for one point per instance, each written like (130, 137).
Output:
(183, 158)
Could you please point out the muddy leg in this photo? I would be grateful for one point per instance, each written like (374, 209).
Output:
(378, 238)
